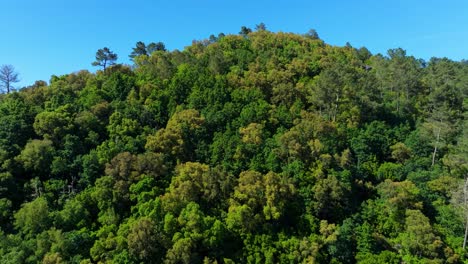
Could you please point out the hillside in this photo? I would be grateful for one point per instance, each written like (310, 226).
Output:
(260, 147)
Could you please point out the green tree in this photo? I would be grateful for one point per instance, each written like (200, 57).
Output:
(16, 118)
(330, 198)
(142, 49)
(258, 199)
(6, 212)
(52, 258)
(445, 83)
(37, 156)
(457, 157)
(118, 83)
(152, 47)
(196, 182)
(419, 239)
(438, 128)
(245, 31)
(177, 139)
(399, 76)
(54, 125)
(138, 50)
(143, 241)
(105, 57)
(33, 217)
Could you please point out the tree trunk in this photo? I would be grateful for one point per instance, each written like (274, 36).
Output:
(466, 233)
(435, 147)
(335, 111)
(465, 196)
(398, 104)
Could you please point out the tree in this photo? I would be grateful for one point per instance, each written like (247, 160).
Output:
(260, 27)
(445, 82)
(399, 77)
(54, 125)
(457, 161)
(259, 198)
(465, 202)
(178, 137)
(33, 217)
(312, 34)
(196, 182)
(37, 156)
(419, 239)
(139, 49)
(329, 198)
(152, 47)
(245, 31)
(52, 258)
(142, 49)
(438, 129)
(8, 76)
(143, 242)
(105, 57)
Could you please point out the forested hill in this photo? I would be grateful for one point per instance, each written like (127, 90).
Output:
(253, 148)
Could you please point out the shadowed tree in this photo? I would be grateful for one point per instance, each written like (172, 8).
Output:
(142, 49)
(139, 49)
(312, 34)
(8, 76)
(245, 31)
(104, 58)
(152, 47)
(260, 27)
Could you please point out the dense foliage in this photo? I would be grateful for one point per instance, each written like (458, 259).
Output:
(253, 148)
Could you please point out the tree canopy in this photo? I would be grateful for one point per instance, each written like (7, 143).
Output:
(104, 58)
(257, 147)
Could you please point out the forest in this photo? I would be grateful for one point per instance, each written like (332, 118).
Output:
(257, 147)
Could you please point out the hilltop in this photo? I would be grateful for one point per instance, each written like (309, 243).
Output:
(260, 147)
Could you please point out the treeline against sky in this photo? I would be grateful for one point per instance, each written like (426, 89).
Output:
(260, 147)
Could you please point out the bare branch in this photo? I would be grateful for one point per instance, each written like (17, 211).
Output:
(8, 76)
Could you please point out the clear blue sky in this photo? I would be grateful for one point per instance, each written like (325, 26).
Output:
(46, 37)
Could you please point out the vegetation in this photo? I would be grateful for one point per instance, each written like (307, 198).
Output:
(8, 76)
(260, 147)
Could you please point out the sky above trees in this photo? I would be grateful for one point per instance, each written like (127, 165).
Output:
(57, 37)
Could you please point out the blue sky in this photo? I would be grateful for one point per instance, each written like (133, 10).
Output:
(41, 38)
